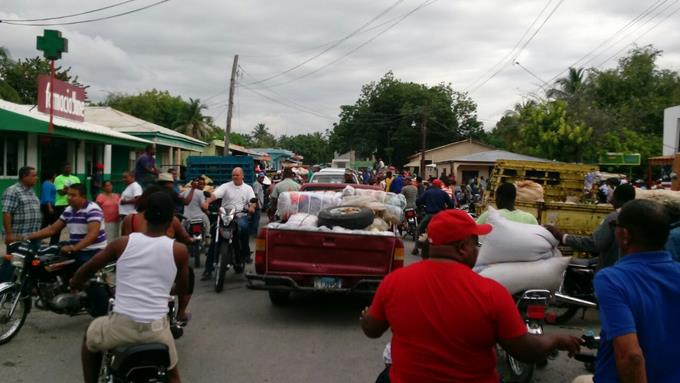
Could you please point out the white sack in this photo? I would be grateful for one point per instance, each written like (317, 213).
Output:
(303, 219)
(521, 276)
(511, 241)
(294, 202)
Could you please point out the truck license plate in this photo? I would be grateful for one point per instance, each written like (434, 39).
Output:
(327, 283)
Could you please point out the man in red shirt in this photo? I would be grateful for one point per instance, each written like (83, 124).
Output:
(446, 319)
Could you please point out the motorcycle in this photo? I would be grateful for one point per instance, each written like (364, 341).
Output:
(591, 342)
(228, 249)
(411, 223)
(195, 229)
(138, 363)
(576, 291)
(533, 304)
(45, 273)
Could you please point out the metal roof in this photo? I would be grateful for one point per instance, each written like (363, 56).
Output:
(123, 122)
(494, 155)
(86, 127)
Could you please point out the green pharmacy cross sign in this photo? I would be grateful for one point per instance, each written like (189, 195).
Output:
(52, 44)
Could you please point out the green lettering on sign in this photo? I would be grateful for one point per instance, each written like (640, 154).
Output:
(52, 44)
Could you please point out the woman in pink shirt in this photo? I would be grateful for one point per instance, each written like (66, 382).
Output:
(108, 201)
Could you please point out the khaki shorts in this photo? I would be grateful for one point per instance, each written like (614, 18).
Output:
(115, 330)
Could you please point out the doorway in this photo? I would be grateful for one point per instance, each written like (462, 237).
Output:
(53, 153)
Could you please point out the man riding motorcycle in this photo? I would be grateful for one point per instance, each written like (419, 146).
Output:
(140, 311)
(236, 195)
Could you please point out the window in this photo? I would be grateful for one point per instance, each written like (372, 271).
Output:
(10, 158)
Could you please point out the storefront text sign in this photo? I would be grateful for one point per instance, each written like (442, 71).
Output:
(69, 100)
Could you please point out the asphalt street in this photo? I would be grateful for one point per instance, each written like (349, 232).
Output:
(238, 336)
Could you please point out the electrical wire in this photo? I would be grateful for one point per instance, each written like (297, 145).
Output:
(402, 18)
(632, 22)
(71, 15)
(89, 20)
(505, 58)
(520, 50)
(356, 31)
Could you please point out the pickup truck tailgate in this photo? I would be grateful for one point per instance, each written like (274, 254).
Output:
(307, 252)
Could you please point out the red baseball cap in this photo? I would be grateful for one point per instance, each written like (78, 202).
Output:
(453, 225)
(437, 183)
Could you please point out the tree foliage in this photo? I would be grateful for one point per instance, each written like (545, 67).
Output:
(591, 111)
(19, 79)
(314, 147)
(380, 121)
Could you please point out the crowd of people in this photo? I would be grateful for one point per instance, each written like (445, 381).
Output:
(445, 319)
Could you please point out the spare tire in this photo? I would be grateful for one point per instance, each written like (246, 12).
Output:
(349, 217)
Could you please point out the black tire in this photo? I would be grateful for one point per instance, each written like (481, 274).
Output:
(512, 370)
(279, 298)
(239, 268)
(176, 331)
(196, 253)
(223, 259)
(7, 330)
(349, 217)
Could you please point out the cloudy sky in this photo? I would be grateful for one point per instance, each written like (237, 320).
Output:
(187, 47)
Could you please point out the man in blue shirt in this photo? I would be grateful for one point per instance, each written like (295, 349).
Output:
(639, 302)
(145, 168)
(433, 200)
(397, 183)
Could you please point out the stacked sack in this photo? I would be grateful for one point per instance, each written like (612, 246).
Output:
(529, 191)
(387, 206)
(308, 202)
(520, 256)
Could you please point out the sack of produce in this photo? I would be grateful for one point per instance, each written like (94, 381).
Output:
(511, 241)
(529, 191)
(303, 219)
(668, 198)
(293, 202)
(378, 225)
(521, 276)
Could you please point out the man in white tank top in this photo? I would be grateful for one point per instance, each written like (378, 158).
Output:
(140, 312)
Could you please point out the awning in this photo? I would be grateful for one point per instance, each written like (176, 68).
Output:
(123, 122)
(27, 118)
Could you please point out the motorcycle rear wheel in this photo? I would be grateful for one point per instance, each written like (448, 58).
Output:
(514, 371)
(10, 326)
(196, 254)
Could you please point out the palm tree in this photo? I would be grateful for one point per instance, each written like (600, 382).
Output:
(192, 122)
(570, 86)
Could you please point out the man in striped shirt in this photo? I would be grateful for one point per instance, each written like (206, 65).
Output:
(85, 222)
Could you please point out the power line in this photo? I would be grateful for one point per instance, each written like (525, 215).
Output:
(402, 18)
(521, 49)
(643, 34)
(505, 58)
(89, 20)
(381, 14)
(283, 103)
(71, 15)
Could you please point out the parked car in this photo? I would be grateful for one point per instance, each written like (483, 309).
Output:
(306, 261)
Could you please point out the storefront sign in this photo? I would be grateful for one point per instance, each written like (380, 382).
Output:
(69, 100)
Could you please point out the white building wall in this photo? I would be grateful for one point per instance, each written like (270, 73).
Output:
(671, 130)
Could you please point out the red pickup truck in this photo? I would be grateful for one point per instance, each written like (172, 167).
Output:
(309, 261)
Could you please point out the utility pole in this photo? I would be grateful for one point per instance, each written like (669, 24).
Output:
(232, 85)
(423, 144)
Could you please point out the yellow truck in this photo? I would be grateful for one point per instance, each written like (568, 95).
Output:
(565, 203)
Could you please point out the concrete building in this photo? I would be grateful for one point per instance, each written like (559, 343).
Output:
(444, 153)
(25, 141)
(169, 143)
(671, 131)
(479, 164)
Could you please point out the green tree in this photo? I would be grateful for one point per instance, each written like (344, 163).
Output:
(234, 137)
(314, 147)
(261, 137)
(192, 122)
(158, 107)
(380, 121)
(19, 79)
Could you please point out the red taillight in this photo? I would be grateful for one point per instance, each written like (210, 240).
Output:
(260, 251)
(398, 259)
(410, 213)
(536, 312)
(196, 229)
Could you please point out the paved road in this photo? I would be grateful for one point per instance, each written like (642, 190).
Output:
(237, 336)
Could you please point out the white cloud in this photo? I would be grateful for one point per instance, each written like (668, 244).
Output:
(187, 47)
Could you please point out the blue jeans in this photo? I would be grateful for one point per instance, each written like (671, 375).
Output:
(254, 222)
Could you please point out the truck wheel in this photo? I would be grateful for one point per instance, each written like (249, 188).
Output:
(349, 217)
(279, 298)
